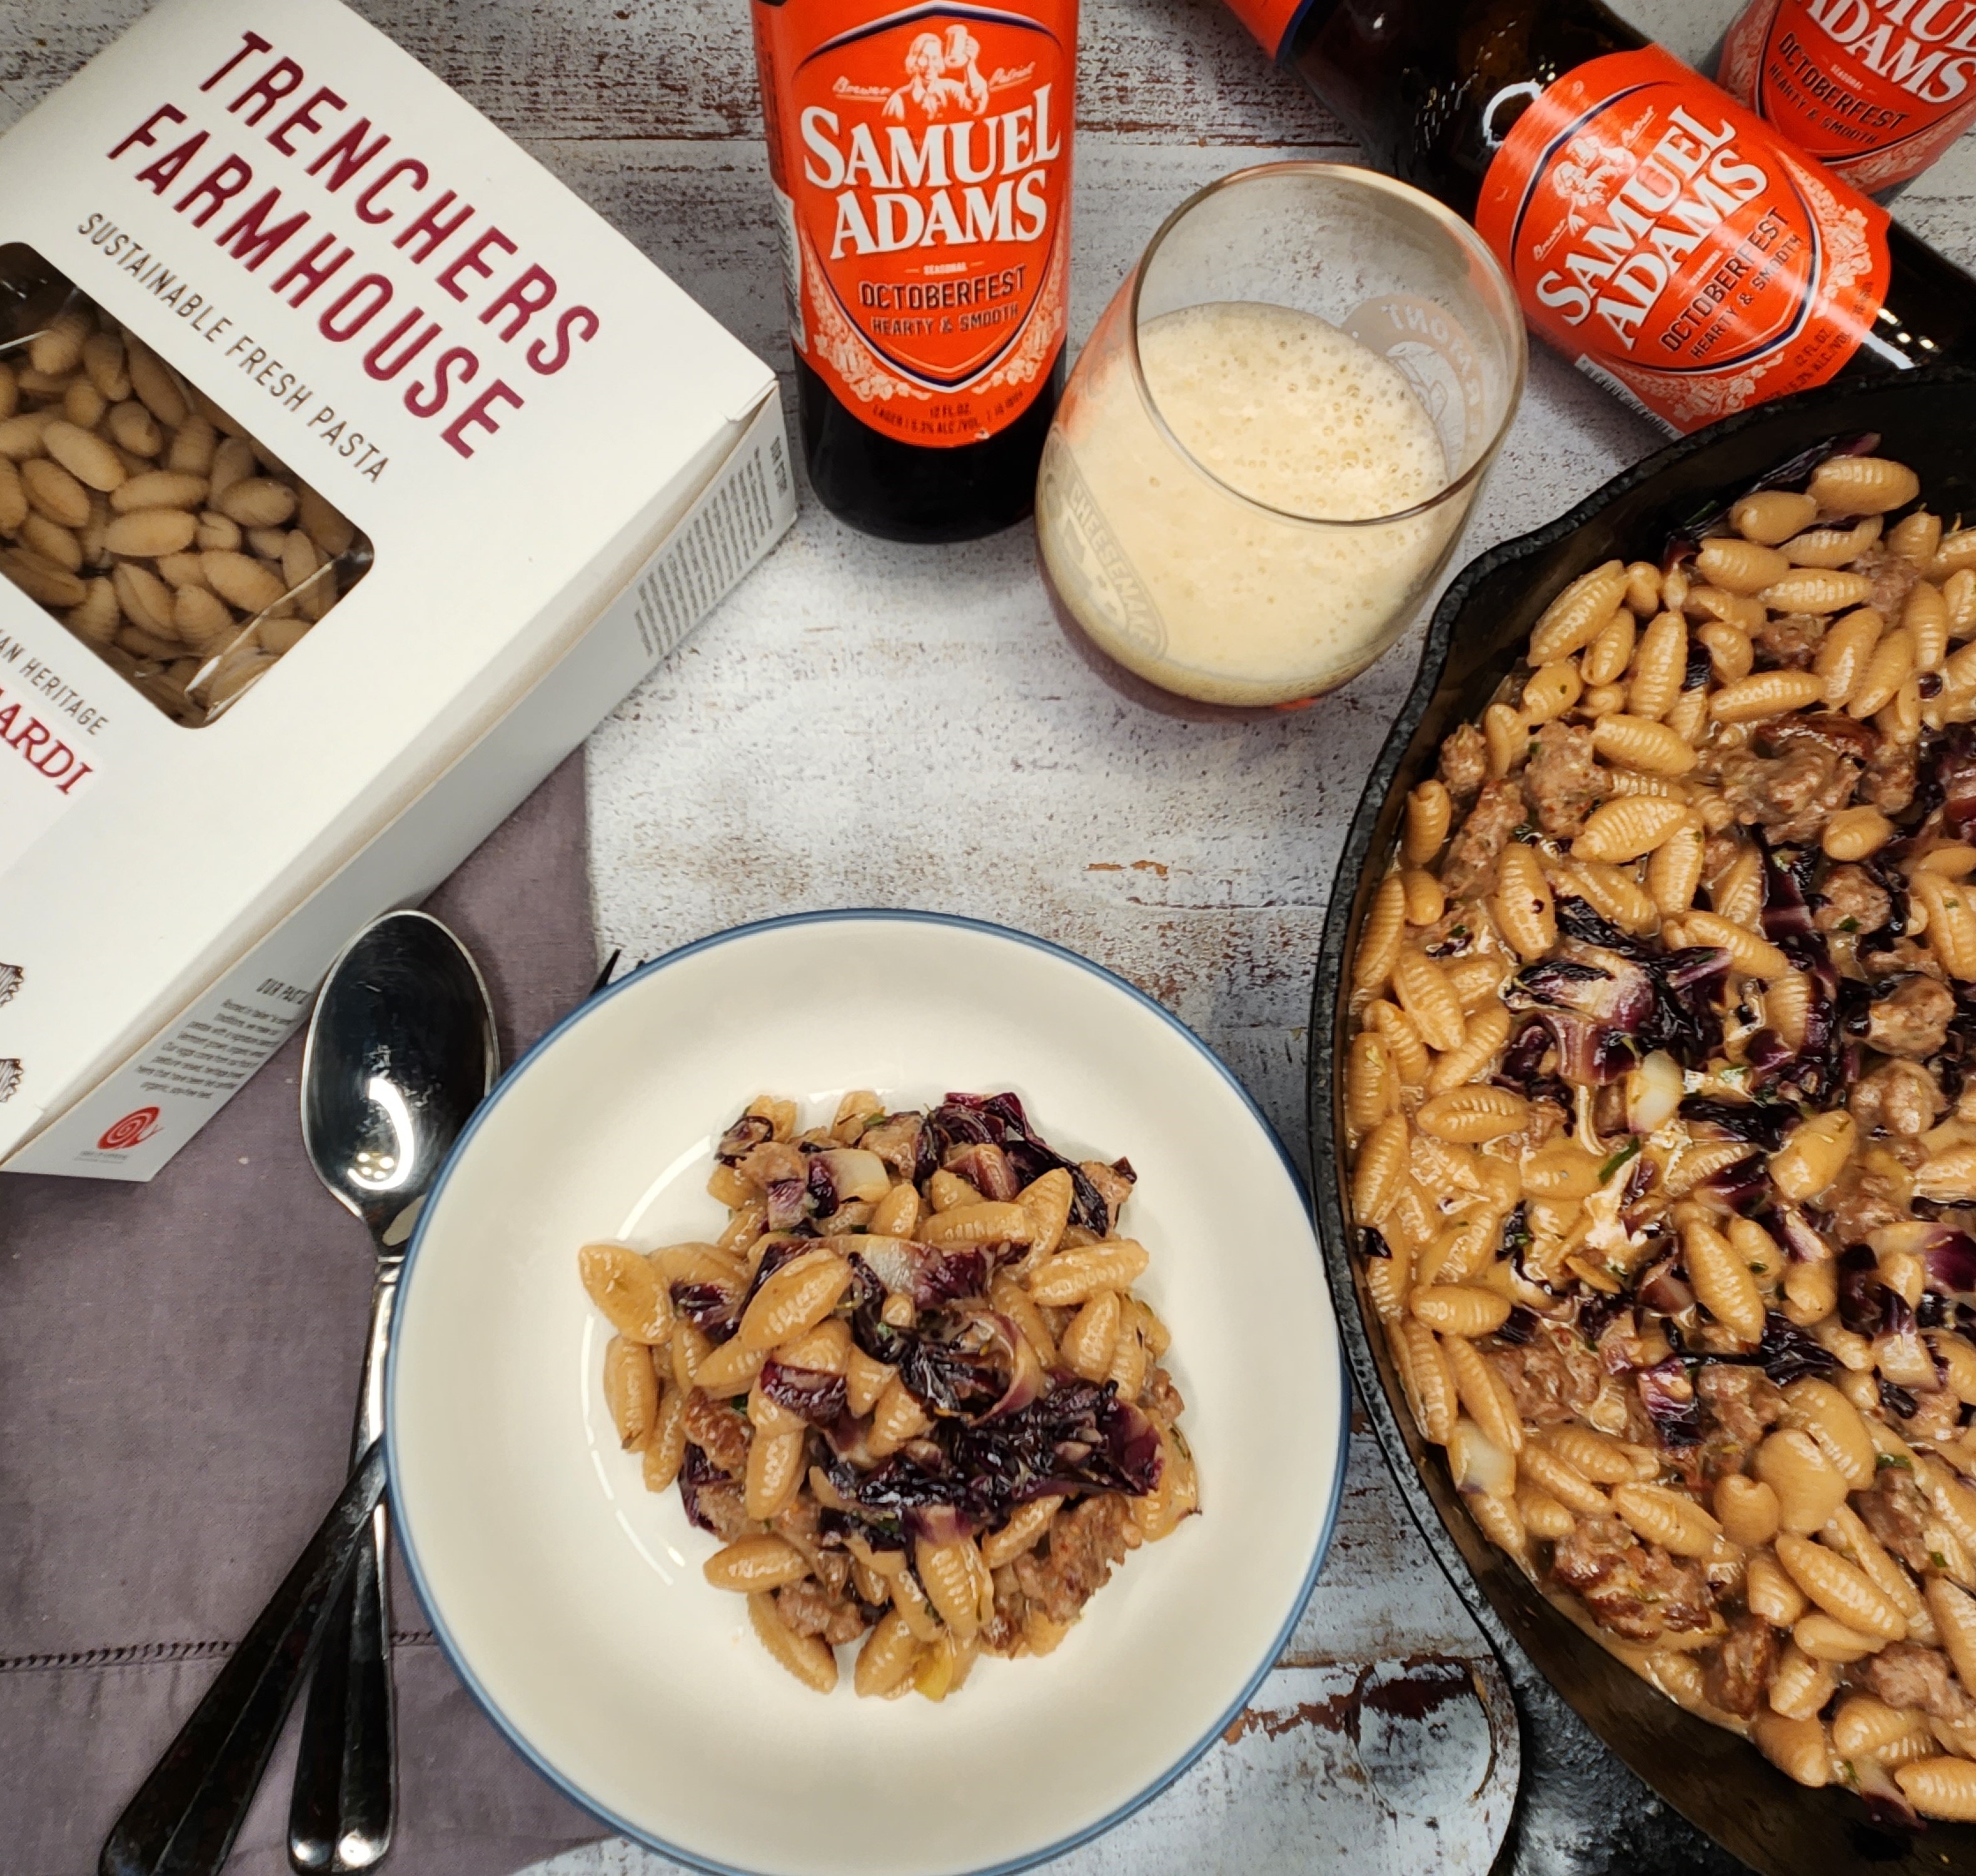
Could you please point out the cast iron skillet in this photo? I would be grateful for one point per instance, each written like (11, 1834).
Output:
(1712, 1778)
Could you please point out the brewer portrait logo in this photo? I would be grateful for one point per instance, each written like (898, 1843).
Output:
(133, 1130)
(924, 160)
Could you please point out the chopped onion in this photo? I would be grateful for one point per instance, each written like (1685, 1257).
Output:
(1479, 1465)
(856, 1173)
(1653, 1093)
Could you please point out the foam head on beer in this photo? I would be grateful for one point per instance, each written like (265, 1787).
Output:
(1242, 502)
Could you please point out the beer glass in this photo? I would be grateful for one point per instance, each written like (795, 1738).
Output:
(1269, 444)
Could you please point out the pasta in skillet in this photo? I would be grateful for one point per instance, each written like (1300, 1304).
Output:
(909, 1386)
(1663, 1149)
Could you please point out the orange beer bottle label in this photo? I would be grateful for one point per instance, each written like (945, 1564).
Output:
(921, 165)
(1675, 246)
(1876, 90)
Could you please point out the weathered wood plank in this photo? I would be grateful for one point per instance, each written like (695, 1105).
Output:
(1151, 69)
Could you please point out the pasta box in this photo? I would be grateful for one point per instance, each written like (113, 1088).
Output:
(352, 469)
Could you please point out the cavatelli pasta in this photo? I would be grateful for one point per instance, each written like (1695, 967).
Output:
(1661, 1091)
(730, 1356)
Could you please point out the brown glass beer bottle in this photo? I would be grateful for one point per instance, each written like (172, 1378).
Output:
(1876, 90)
(921, 158)
(1671, 243)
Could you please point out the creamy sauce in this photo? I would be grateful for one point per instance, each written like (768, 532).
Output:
(1209, 594)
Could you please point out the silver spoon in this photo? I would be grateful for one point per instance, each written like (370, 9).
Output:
(401, 1050)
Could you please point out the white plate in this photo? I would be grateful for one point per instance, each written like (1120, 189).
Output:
(572, 1600)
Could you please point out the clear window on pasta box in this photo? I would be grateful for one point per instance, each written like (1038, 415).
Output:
(164, 535)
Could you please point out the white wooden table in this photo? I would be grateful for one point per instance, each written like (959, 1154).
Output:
(864, 724)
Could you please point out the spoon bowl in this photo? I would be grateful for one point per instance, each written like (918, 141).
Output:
(401, 1050)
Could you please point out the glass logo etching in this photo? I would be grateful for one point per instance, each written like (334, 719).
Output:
(1111, 584)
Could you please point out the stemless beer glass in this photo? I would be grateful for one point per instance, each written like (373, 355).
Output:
(1273, 438)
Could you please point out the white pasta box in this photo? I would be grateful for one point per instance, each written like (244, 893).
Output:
(352, 469)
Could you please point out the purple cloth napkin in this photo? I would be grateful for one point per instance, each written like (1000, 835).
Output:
(178, 1370)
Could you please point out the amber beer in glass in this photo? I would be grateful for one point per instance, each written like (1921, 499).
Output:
(1271, 441)
(1668, 240)
(921, 160)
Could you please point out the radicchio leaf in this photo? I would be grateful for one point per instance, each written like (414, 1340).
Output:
(1949, 777)
(1787, 1353)
(786, 1202)
(1668, 1394)
(1684, 1019)
(1768, 1124)
(697, 1471)
(1951, 1257)
(1896, 1399)
(1593, 1005)
(821, 1189)
(817, 1395)
(1862, 1297)
(748, 1133)
(1662, 1288)
(928, 1275)
(1518, 1327)
(1079, 1438)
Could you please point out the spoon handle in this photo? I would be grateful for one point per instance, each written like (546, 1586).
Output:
(344, 1804)
(185, 1816)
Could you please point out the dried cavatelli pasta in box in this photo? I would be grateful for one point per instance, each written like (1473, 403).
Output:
(350, 470)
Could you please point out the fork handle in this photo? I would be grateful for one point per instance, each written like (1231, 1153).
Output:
(345, 1804)
(185, 1816)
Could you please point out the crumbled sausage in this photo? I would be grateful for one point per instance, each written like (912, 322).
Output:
(1897, 1098)
(1937, 1416)
(1741, 1672)
(1789, 639)
(1859, 1202)
(1854, 901)
(1563, 782)
(808, 1608)
(1464, 762)
(1470, 865)
(1636, 1590)
(1741, 1405)
(1552, 1377)
(773, 1159)
(1084, 1542)
(1161, 1396)
(1912, 1019)
(1903, 956)
(1890, 776)
(1001, 1634)
(1790, 794)
(1904, 1675)
(722, 1508)
(1897, 1513)
(719, 1431)
(1893, 576)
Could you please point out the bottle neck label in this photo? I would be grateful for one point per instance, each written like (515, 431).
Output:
(1876, 90)
(1673, 245)
(1272, 23)
(921, 162)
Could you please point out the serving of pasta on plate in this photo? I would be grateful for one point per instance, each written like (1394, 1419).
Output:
(1661, 1132)
(908, 1385)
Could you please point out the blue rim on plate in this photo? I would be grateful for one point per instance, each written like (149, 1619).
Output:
(408, 1548)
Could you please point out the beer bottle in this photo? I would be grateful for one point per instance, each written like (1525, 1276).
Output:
(921, 160)
(1876, 92)
(1669, 242)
